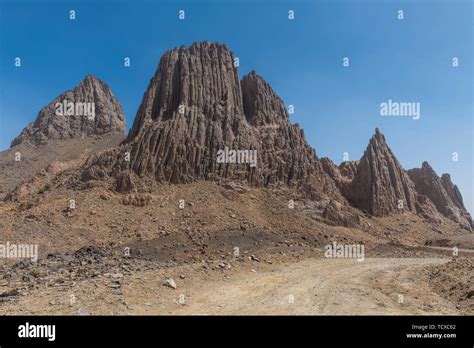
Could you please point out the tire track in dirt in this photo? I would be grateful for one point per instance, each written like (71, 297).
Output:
(324, 286)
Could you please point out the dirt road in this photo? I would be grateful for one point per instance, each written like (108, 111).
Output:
(325, 286)
(310, 286)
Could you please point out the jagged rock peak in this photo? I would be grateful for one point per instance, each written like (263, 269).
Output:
(91, 82)
(429, 184)
(195, 79)
(378, 137)
(380, 185)
(89, 109)
(442, 193)
(261, 104)
(453, 191)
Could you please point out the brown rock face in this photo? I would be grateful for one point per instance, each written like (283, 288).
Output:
(336, 214)
(379, 185)
(442, 193)
(342, 174)
(196, 112)
(124, 183)
(348, 169)
(261, 105)
(426, 209)
(452, 191)
(331, 169)
(89, 109)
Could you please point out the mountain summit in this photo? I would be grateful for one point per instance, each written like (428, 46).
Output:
(195, 108)
(381, 186)
(442, 192)
(89, 109)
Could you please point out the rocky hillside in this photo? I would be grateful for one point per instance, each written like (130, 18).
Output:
(60, 134)
(379, 185)
(195, 108)
(442, 192)
(89, 109)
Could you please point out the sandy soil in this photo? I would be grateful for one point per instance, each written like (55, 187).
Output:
(310, 286)
(323, 286)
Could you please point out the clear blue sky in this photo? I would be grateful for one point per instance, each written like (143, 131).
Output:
(408, 60)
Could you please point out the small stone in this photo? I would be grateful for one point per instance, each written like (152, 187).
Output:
(169, 282)
(254, 258)
(28, 278)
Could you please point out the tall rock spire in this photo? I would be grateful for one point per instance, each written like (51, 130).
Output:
(381, 186)
(197, 79)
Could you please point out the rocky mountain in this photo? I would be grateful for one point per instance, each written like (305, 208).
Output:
(197, 120)
(379, 185)
(376, 183)
(89, 109)
(77, 123)
(442, 193)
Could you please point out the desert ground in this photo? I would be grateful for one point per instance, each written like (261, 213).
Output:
(220, 248)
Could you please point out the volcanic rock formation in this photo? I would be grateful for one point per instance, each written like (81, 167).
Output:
(442, 192)
(194, 107)
(377, 183)
(91, 94)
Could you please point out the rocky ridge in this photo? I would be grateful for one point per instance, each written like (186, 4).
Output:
(194, 107)
(442, 193)
(379, 185)
(99, 113)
